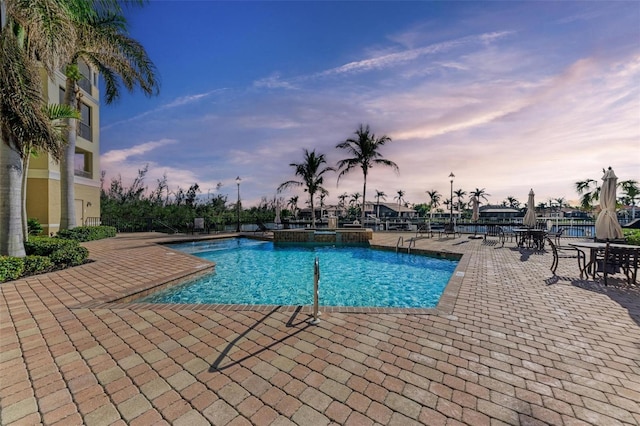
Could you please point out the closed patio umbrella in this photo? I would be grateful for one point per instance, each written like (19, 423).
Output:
(607, 226)
(530, 216)
(475, 205)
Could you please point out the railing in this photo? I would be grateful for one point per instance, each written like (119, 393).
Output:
(173, 230)
(316, 279)
(400, 243)
(83, 173)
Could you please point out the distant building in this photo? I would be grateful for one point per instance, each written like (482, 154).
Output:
(499, 212)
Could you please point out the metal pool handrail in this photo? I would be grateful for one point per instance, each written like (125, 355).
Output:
(316, 278)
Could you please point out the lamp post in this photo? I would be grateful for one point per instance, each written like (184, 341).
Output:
(451, 176)
(238, 204)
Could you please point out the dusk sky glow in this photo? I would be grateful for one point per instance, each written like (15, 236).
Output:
(506, 95)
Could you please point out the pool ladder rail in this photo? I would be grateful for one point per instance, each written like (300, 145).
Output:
(316, 279)
(400, 243)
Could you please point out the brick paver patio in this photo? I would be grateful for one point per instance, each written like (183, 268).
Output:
(514, 347)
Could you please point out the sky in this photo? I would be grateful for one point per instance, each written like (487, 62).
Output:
(507, 96)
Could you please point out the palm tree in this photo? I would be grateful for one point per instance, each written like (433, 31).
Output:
(589, 192)
(459, 193)
(480, 193)
(293, 204)
(311, 173)
(33, 35)
(379, 194)
(434, 200)
(364, 151)
(631, 191)
(512, 202)
(353, 202)
(342, 199)
(56, 114)
(399, 197)
(102, 43)
(323, 195)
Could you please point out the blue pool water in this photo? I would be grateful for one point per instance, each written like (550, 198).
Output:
(259, 273)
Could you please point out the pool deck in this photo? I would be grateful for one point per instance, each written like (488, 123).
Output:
(512, 345)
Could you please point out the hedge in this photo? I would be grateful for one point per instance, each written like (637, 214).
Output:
(11, 268)
(37, 265)
(87, 233)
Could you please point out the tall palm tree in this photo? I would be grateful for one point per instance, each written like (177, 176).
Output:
(459, 193)
(323, 195)
(379, 194)
(512, 202)
(342, 197)
(434, 200)
(480, 193)
(312, 174)
(400, 194)
(631, 191)
(34, 34)
(103, 44)
(589, 192)
(57, 114)
(293, 204)
(353, 202)
(364, 152)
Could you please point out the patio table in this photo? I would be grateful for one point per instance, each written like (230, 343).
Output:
(530, 237)
(596, 251)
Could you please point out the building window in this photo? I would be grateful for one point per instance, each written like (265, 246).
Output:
(83, 164)
(84, 127)
(85, 81)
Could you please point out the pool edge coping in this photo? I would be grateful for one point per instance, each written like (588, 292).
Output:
(445, 305)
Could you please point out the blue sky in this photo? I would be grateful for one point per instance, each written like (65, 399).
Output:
(506, 95)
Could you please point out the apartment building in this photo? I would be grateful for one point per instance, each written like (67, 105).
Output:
(43, 179)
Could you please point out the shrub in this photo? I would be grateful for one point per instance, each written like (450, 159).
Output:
(88, 233)
(45, 246)
(37, 264)
(11, 268)
(63, 253)
(34, 226)
(632, 236)
(69, 256)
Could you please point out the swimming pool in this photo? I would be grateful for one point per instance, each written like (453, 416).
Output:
(261, 273)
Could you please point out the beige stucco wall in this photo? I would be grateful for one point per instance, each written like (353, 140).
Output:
(43, 184)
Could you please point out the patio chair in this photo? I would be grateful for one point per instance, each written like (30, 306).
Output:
(566, 253)
(620, 259)
(556, 235)
(495, 231)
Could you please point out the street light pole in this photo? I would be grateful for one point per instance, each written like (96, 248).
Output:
(451, 176)
(238, 204)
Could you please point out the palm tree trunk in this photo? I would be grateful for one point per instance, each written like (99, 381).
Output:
(67, 190)
(25, 170)
(11, 236)
(313, 212)
(364, 196)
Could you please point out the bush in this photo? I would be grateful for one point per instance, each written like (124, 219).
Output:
(63, 253)
(11, 268)
(632, 236)
(45, 246)
(37, 265)
(69, 256)
(34, 226)
(87, 233)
